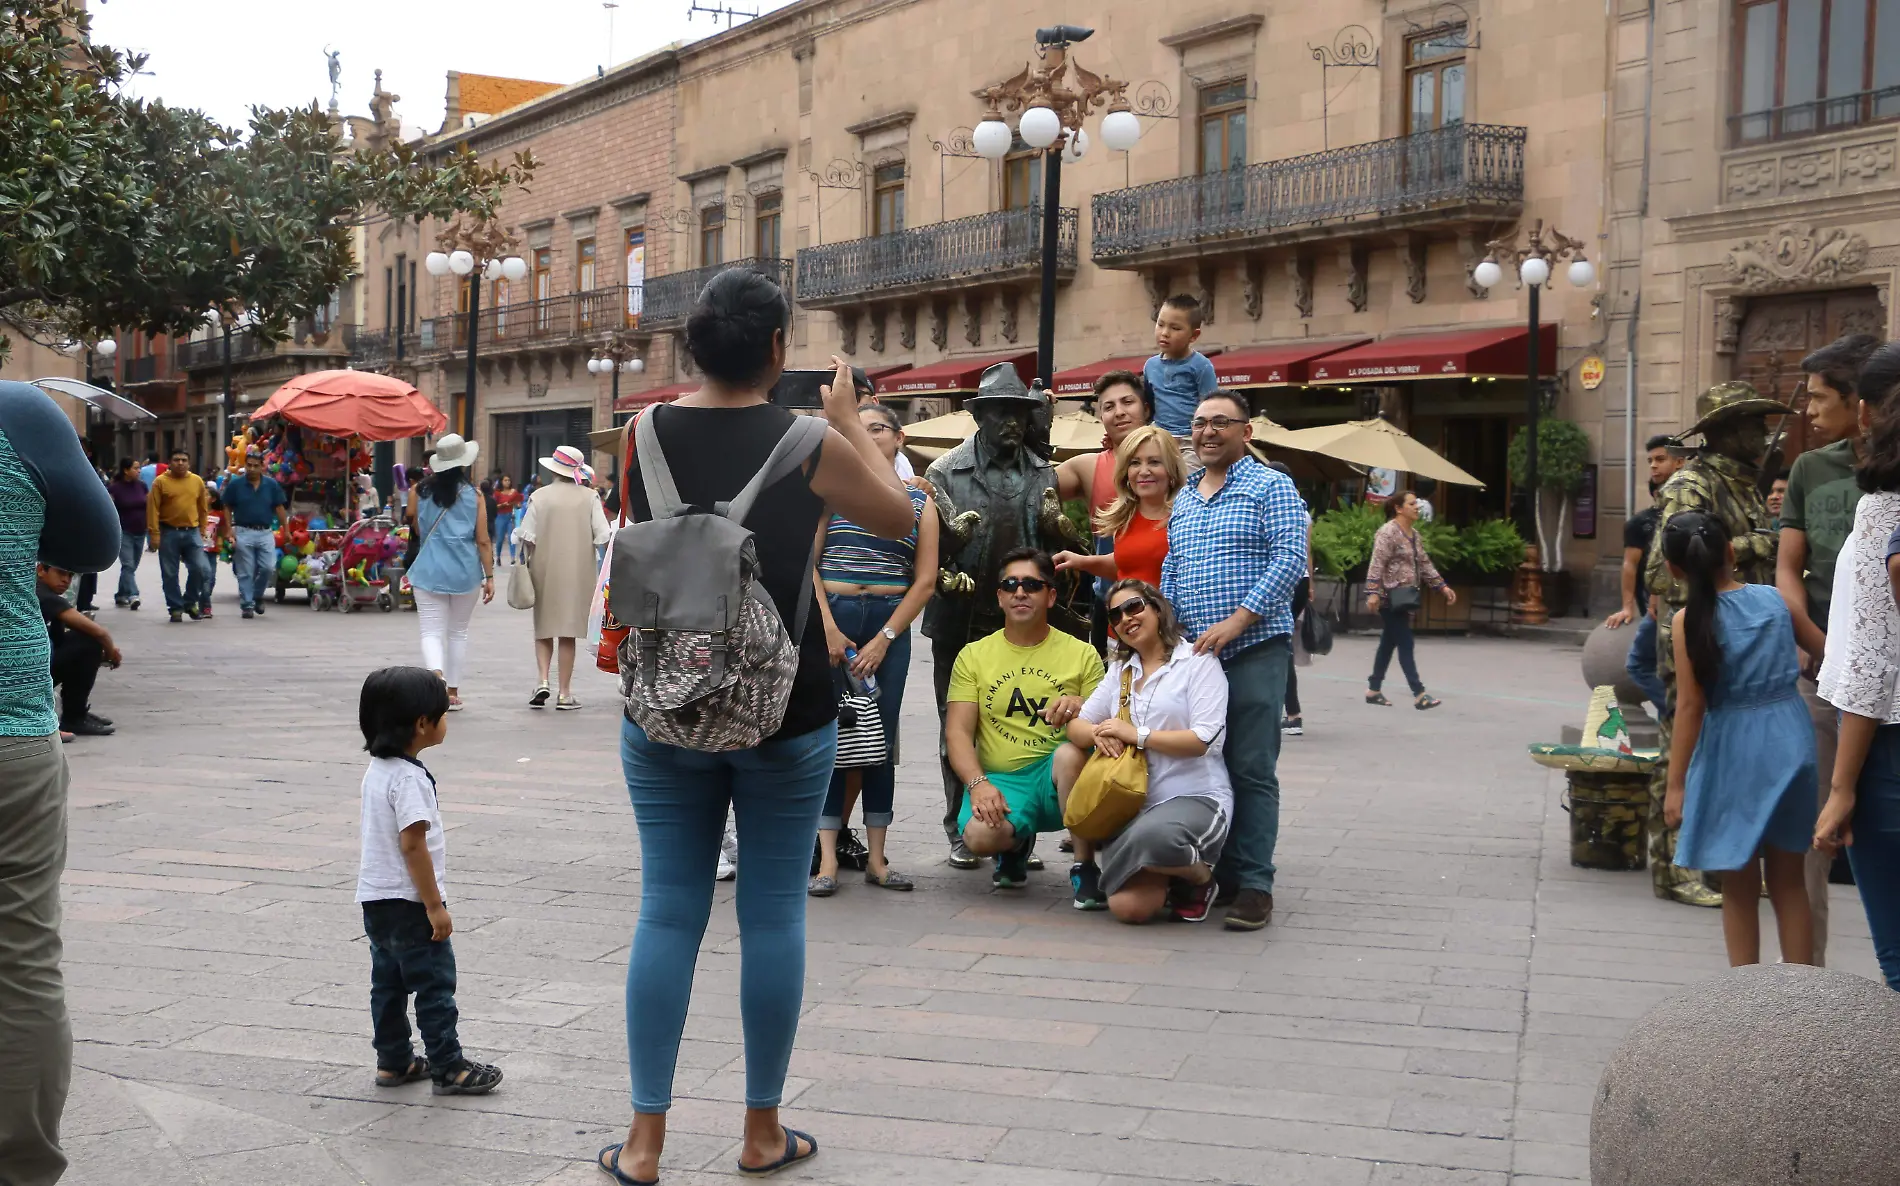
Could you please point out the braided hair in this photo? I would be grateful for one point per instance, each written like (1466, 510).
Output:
(1697, 545)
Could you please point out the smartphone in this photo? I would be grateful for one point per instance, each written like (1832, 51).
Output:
(799, 389)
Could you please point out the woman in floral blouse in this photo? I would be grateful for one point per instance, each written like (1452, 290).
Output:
(1395, 583)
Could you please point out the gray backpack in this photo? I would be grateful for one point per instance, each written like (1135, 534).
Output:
(707, 663)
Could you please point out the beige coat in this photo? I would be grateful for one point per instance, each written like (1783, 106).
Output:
(565, 523)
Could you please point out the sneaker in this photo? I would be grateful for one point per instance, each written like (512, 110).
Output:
(245, 613)
(90, 726)
(120, 602)
(1291, 727)
(961, 857)
(96, 719)
(540, 697)
(1085, 878)
(851, 851)
(1012, 869)
(178, 615)
(1191, 903)
(258, 609)
(196, 615)
(1252, 909)
(132, 604)
(728, 868)
(204, 611)
(1033, 860)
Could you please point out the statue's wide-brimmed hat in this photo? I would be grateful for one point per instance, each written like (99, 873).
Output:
(1001, 385)
(1726, 401)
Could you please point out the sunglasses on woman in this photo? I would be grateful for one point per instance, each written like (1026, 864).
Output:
(1026, 584)
(1134, 605)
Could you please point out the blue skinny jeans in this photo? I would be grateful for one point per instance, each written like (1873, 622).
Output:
(680, 798)
(1875, 855)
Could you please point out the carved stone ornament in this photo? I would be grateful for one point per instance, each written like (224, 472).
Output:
(1806, 170)
(907, 327)
(940, 324)
(1472, 249)
(1299, 269)
(848, 330)
(1007, 302)
(1206, 277)
(1155, 282)
(1253, 286)
(1728, 324)
(1749, 179)
(1796, 257)
(1866, 162)
(1353, 261)
(1412, 251)
(973, 318)
(877, 329)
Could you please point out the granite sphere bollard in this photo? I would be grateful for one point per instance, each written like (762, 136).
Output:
(1773, 1073)
(1605, 659)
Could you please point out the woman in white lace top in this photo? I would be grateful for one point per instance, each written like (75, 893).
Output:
(1859, 677)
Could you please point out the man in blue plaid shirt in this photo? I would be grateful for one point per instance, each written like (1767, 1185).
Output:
(1236, 549)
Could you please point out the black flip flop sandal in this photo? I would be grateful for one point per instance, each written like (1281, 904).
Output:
(417, 1071)
(792, 1155)
(1379, 699)
(612, 1168)
(477, 1078)
(1426, 700)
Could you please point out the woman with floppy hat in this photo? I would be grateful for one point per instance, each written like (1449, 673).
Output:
(454, 565)
(559, 532)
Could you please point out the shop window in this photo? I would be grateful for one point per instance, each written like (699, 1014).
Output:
(1435, 79)
(766, 225)
(1223, 123)
(887, 199)
(1807, 66)
(712, 236)
(1022, 176)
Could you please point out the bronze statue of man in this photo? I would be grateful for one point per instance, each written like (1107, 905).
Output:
(994, 494)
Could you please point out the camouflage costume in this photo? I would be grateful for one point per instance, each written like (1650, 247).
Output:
(1725, 488)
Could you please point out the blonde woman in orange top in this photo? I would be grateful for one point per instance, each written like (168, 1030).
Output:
(1148, 474)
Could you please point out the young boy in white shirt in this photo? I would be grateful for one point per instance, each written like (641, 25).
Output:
(403, 711)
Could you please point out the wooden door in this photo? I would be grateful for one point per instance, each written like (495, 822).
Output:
(1778, 332)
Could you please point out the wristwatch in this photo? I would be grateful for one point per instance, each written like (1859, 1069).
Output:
(1141, 737)
(889, 634)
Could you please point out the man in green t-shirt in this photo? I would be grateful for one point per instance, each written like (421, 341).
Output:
(1012, 695)
(1816, 516)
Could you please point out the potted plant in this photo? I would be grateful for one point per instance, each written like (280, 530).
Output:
(1445, 545)
(1562, 449)
(1342, 545)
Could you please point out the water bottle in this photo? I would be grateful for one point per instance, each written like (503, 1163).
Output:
(869, 681)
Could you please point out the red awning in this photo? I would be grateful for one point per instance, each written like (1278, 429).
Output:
(629, 401)
(1081, 380)
(953, 376)
(876, 373)
(1275, 364)
(1498, 351)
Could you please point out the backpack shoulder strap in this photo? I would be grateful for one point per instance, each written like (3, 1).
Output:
(663, 497)
(800, 441)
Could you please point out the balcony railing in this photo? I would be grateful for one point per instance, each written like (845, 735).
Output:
(306, 337)
(527, 325)
(670, 298)
(141, 370)
(934, 255)
(1814, 117)
(1456, 166)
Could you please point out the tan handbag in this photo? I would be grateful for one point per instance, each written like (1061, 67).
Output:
(1109, 792)
(520, 587)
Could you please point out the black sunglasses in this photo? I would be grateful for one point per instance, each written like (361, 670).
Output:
(1134, 605)
(1026, 584)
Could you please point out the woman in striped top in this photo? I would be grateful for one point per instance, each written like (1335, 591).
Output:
(871, 591)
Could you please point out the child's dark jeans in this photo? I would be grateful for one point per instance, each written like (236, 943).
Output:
(404, 960)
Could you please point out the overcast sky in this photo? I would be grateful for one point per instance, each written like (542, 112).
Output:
(224, 57)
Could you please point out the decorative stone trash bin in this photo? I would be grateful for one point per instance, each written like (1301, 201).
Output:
(1770, 1075)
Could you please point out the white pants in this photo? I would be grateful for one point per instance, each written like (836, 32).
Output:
(444, 620)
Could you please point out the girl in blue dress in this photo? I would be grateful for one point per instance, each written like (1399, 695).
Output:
(1741, 767)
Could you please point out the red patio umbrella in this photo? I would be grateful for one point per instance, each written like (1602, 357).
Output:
(360, 404)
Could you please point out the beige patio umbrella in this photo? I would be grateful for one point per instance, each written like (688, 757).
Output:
(1268, 444)
(1375, 444)
(1070, 433)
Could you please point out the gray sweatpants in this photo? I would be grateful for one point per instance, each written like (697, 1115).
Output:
(36, 1042)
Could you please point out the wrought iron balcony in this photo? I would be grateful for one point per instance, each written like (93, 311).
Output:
(569, 320)
(141, 370)
(670, 298)
(306, 337)
(960, 253)
(1836, 113)
(1460, 173)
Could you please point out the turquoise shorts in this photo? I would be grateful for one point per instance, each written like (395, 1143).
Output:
(1031, 795)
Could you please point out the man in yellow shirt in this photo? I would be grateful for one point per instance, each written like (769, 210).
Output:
(1012, 695)
(175, 516)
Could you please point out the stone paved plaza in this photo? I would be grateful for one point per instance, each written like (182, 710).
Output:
(1431, 1005)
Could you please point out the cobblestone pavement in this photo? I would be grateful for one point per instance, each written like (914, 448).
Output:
(1431, 1005)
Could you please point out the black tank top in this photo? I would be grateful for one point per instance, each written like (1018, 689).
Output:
(713, 453)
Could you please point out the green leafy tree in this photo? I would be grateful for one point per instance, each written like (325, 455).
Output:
(1562, 450)
(116, 213)
(1342, 538)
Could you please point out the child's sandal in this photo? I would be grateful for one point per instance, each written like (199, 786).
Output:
(417, 1070)
(468, 1078)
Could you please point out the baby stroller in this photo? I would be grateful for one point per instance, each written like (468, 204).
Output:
(370, 562)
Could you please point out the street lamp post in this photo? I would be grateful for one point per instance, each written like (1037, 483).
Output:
(618, 355)
(1053, 107)
(480, 251)
(1544, 247)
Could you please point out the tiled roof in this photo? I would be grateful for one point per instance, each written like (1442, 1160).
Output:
(487, 94)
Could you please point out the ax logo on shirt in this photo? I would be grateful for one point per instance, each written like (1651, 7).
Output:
(1027, 706)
